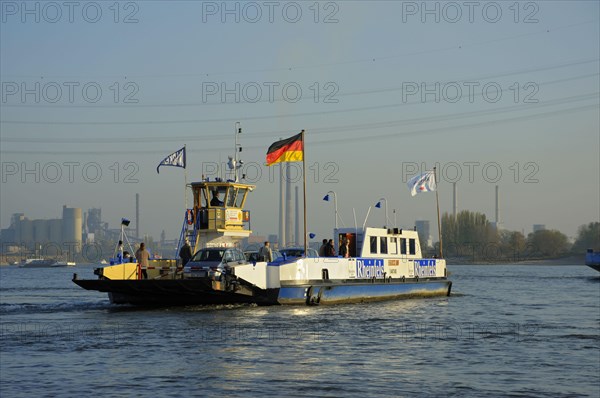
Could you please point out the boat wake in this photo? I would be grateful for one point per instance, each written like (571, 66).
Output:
(31, 308)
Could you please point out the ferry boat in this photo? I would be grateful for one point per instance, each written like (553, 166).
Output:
(383, 263)
(44, 263)
(592, 259)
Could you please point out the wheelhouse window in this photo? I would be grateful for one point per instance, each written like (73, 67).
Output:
(412, 248)
(383, 244)
(218, 196)
(240, 197)
(393, 249)
(231, 195)
(402, 245)
(373, 244)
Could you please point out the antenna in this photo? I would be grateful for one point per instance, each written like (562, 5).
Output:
(233, 163)
(367, 217)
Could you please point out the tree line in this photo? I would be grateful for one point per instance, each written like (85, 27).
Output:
(471, 235)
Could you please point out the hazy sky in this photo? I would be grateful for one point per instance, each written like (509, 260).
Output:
(96, 94)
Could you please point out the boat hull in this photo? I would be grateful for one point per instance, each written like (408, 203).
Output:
(174, 292)
(202, 291)
(592, 260)
(362, 291)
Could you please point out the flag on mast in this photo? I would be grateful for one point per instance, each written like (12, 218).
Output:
(288, 150)
(176, 159)
(422, 183)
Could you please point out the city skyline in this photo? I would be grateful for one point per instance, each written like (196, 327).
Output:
(494, 93)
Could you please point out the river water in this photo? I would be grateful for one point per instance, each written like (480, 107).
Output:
(506, 330)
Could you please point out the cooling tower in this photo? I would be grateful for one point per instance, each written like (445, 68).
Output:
(72, 224)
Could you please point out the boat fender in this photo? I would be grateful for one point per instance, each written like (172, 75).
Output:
(417, 278)
(403, 278)
(319, 295)
(308, 294)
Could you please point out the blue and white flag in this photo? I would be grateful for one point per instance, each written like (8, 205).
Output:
(176, 159)
(422, 183)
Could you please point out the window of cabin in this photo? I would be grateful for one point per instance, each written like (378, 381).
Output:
(240, 197)
(383, 244)
(218, 196)
(393, 245)
(203, 200)
(231, 194)
(412, 249)
(373, 242)
(402, 245)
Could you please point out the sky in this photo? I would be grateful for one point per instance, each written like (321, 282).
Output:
(96, 94)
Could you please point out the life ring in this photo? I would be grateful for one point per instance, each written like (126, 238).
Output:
(189, 216)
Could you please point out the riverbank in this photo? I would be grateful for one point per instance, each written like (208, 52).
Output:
(565, 260)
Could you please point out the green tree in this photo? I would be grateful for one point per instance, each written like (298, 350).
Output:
(547, 243)
(512, 245)
(469, 234)
(588, 237)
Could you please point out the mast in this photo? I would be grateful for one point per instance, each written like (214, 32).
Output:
(304, 186)
(437, 200)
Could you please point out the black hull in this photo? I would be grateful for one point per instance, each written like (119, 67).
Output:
(175, 292)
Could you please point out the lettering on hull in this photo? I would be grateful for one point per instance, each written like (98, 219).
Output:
(369, 268)
(425, 268)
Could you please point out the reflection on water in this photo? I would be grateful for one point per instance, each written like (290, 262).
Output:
(507, 330)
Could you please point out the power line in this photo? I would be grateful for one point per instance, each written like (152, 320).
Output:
(336, 141)
(359, 92)
(330, 64)
(391, 123)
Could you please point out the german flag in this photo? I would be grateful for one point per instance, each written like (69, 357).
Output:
(288, 150)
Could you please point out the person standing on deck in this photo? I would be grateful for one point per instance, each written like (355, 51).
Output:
(185, 253)
(322, 248)
(142, 255)
(265, 253)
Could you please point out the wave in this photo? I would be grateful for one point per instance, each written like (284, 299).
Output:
(29, 308)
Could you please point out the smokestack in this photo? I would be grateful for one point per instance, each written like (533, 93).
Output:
(454, 200)
(281, 208)
(297, 219)
(137, 215)
(497, 206)
(288, 205)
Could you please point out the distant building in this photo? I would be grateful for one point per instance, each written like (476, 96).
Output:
(94, 221)
(273, 239)
(424, 232)
(65, 233)
(539, 227)
(255, 242)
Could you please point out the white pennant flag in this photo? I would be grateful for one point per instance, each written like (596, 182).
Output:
(422, 183)
(176, 159)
